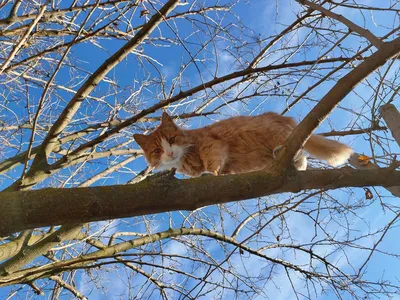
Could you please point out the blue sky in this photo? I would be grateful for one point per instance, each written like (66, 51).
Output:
(262, 17)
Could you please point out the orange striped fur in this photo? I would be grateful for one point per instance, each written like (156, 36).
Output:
(235, 145)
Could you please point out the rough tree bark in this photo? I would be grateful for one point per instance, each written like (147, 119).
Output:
(46, 207)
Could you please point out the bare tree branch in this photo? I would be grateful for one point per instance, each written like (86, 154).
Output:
(99, 74)
(344, 86)
(368, 165)
(392, 118)
(352, 26)
(23, 38)
(167, 194)
(12, 18)
(68, 287)
(31, 252)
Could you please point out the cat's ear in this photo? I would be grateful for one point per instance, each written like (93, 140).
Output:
(166, 119)
(140, 139)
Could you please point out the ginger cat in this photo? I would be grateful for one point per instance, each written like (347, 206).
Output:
(235, 145)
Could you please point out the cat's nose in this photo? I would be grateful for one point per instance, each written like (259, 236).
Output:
(170, 154)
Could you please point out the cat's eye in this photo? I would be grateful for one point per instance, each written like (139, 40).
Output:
(172, 140)
(157, 151)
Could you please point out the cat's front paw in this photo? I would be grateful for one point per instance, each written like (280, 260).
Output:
(166, 173)
(276, 151)
(300, 162)
(206, 173)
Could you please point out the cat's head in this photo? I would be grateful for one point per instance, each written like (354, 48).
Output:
(165, 146)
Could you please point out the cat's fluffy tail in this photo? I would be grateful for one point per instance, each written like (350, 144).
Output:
(333, 152)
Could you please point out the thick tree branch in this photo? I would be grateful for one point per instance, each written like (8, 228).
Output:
(356, 163)
(46, 207)
(392, 118)
(303, 131)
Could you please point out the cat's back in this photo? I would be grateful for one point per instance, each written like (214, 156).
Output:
(236, 126)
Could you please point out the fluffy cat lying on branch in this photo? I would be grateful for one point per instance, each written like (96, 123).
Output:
(235, 145)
